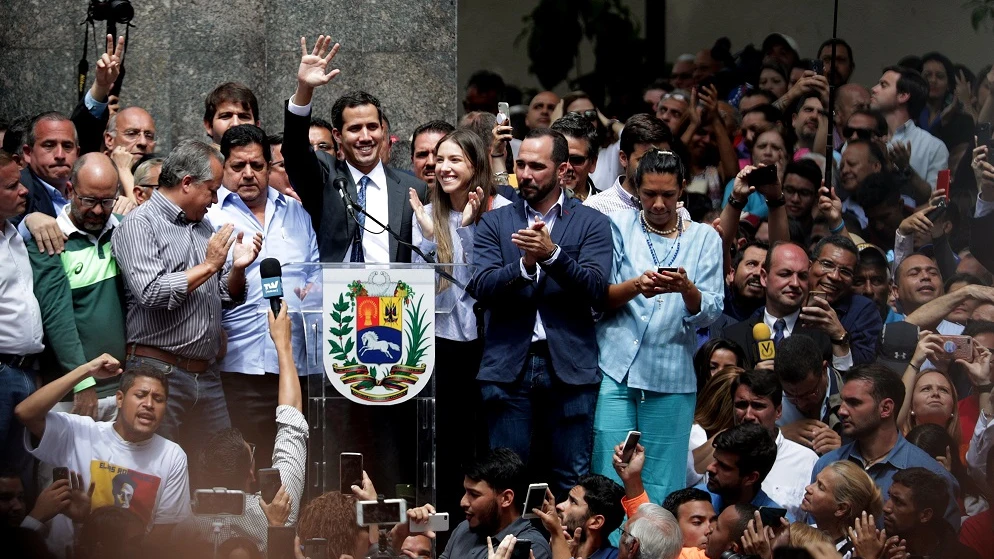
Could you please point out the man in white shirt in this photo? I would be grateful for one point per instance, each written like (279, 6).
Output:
(127, 464)
(901, 94)
(757, 397)
(20, 321)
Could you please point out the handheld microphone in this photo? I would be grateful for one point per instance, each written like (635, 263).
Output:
(272, 282)
(762, 335)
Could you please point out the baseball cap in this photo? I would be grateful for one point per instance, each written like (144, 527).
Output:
(897, 344)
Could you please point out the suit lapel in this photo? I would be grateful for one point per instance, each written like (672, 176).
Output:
(562, 224)
(396, 198)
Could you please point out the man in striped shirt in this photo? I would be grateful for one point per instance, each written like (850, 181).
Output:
(177, 282)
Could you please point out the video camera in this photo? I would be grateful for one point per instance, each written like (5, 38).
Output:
(117, 11)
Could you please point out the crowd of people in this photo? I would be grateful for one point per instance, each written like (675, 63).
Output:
(794, 320)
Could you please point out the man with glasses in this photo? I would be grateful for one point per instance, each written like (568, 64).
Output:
(320, 137)
(801, 180)
(682, 74)
(849, 98)
(849, 320)
(672, 110)
(147, 179)
(133, 130)
(811, 395)
(82, 287)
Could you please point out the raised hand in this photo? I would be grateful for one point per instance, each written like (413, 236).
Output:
(869, 543)
(52, 501)
(246, 253)
(313, 69)
(740, 188)
(79, 500)
(108, 69)
(365, 493)
(279, 326)
(829, 205)
(218, 246)
(278, 511)
(474, 206)
(123, 205)
(979, 368)
(105, 366)
(900, 155)
(421, 214)
(754, 539)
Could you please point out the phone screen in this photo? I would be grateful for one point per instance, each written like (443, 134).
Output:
(60, 473)
(387, 512)
(522, 549)
(350, 470)
(315, 548)
(771, 516)
(269, 483)
(210, 503)
(535, 498)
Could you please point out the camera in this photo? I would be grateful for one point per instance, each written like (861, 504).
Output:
(117, 11)
(732, 555)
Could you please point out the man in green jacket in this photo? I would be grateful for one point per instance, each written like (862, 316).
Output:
(80, 291)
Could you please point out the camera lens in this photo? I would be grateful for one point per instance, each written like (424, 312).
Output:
(121, 11)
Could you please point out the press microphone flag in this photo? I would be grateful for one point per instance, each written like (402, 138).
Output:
(272, 282)
(762, 335)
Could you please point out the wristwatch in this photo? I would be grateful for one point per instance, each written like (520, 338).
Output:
(844, 340)
(735, 203)
(776, 203)
(983, 388)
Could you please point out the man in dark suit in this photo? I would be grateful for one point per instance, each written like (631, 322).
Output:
(542, 264)
(359, 130)
(53, 143)
(785, 278)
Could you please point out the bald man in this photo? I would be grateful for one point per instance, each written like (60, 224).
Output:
(848, 99)
(88, 272)
(132, 130)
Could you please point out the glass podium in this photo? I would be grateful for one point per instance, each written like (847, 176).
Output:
(369, 386)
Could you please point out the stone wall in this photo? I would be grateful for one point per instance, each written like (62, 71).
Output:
(402, 51)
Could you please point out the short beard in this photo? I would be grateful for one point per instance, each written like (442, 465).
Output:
(489, 521)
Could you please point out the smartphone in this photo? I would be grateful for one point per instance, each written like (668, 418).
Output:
(669, 269)
(269, 483)
(60, 472)
(771, 516)
(818, 67)
(762, 176)
(279, 542)
(437, 522)
(534, 499)
(522, 549)
(812, 295)
(503, 114)
(315, 548)
(631, 441)
(389, 511)
(350, 471)
(943, 182)
(219, 502)
(984, 134)
(938, 210)
(958, 347)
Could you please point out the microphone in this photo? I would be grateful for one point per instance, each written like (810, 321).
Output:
(339, 184)
(272, 282)
(762, 335)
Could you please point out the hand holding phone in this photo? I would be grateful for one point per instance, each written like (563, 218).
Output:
(269, 483)
(762, 176)
(522, 549)
(350, 471)
(534, 499)
(631, 443)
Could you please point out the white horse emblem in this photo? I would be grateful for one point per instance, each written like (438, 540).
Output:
(372, 342)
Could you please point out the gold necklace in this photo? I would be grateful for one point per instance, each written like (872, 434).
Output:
(652, 229)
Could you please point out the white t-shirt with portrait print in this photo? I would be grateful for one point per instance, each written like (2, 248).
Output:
(149, 478)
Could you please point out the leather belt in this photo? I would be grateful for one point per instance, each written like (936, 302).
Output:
(18, 361)
(187, 364)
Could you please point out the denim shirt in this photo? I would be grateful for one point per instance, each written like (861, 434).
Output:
(650, 342)
(904, 455)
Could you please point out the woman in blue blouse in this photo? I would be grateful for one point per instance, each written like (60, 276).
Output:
(666, 283)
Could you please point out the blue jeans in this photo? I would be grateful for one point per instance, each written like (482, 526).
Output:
(546, 422)
(663, 419)
(195, 409)
(15, 385)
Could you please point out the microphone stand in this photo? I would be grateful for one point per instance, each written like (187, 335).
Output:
(429, 257)
(830, 144)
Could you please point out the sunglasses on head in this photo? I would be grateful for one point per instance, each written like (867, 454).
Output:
(677, 96)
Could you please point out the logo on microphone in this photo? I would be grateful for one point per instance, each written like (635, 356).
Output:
(272, 288)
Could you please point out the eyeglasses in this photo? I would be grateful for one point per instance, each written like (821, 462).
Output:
(323, 146)
(801, 192)
(805, 396)
(589, 114)
(133, 135)
(577, 159)
(148, 185)
(87, 202)
(627, 534)
(830, 267)
(677, 96)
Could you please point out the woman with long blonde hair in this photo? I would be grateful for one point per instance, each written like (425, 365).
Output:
(712, 415)
(464, 190)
